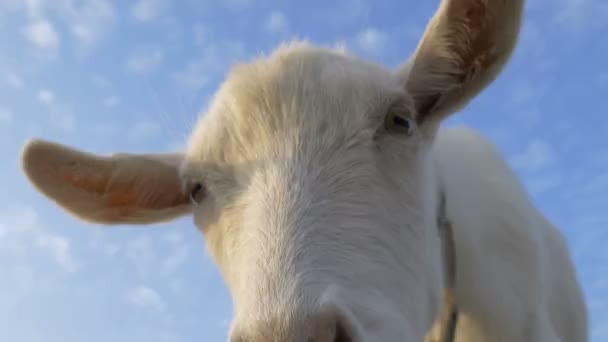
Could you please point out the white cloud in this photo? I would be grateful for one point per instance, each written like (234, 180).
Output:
(41, 33)
(61, 115)
(175, 259)
(537, 155)
(146, 298)
(194, 75)
(144, 59)
(14, 81)
(59, 248)
(21, 234)
(16, 226)
(372, 41)
(111, 101)
(35, 8)
(5, 115)
(214, 60)
(147, 10)
(277, 22)
(46, 96)
(92, 22)
(88, 21)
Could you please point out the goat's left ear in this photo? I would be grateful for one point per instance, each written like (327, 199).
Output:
(465, 46)
(108, 190)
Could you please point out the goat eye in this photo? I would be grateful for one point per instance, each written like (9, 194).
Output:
(197, 193)
(400, 123)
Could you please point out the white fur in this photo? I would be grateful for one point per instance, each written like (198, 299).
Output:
(515, 278)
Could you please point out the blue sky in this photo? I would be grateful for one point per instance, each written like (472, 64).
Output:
(132, 76)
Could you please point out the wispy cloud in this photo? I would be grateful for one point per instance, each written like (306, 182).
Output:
(42, 34)
(88, 22)
(372, 41)
(111, 101)
(276, 22)
(59, 247)
(215, 58)
(144, 59)
(148, 10)
(6, 116)
(174, 260)
(536, 163)
(537, 155)
(91, 22)
(60, 114)
(145, 298)
(13, 80)
(46, 96)
(195, 74)
(21, 233)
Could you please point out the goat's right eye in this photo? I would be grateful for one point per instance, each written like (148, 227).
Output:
(197, 193)
(398, 121)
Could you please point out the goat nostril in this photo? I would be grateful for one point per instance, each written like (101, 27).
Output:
(341, 333)
(331, 326)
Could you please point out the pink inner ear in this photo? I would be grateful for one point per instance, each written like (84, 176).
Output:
(476, 23)
(130, 194)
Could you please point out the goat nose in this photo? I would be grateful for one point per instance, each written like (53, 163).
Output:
(327, 325)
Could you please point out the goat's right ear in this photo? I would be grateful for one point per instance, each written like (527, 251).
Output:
(117, 189)
(464, 48)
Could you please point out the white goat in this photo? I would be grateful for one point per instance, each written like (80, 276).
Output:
(314, 178)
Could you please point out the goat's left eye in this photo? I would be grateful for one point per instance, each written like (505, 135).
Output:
(399, 122)
(197, 193)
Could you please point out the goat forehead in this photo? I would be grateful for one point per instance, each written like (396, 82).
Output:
(301, 93)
